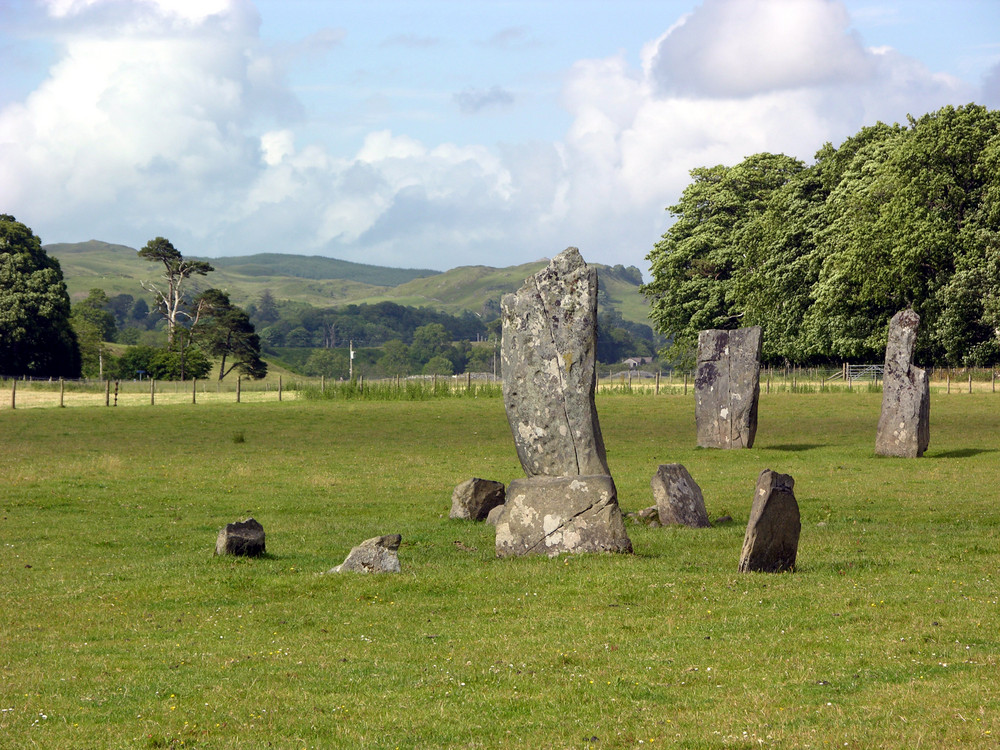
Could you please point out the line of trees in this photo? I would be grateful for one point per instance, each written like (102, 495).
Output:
(822, 256)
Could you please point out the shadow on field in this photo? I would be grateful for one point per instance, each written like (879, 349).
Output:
(794, 447)
(961, 453)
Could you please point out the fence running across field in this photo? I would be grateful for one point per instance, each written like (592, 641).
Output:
(25, 393)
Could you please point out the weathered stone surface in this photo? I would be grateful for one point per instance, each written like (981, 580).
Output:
(547, 362)
(772, 539)
(904, 425)
(552, 515)
(375, 555)
(474, 498)
(493, 517)
(244, 538)
(727, 386)
(678, 497)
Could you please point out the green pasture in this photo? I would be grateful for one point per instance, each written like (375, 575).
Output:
(120, 629)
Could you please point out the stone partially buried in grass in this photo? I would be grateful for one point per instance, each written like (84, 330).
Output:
(375, 555)
(552, 515)
(244, 539)
(475, 498)
(772, 539)
(678, 497)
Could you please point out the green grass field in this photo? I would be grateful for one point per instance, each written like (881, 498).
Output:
(120, 629)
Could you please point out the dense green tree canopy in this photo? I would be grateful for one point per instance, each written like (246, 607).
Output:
(36, 337)
(822, 256)
(225, 331)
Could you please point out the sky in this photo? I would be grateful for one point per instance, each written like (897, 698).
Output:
(442, 133)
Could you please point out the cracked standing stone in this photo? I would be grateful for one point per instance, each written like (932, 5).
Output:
(568, 502)
(904, 424)
(727, 387)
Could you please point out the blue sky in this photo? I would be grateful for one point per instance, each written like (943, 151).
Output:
(445, 133)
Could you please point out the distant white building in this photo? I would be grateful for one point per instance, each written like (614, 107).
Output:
(634, 362)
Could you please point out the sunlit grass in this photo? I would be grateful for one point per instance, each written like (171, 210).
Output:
(120, 629)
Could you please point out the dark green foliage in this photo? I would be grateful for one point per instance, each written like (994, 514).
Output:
(36, 337)
(823, 256)
(144, 362)
(225, 331)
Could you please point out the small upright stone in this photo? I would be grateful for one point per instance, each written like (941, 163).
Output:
(772, 539)
(678, 497)
(474, 498)
(727, 387)
(244, 539)
(375, 555)
(904, 424)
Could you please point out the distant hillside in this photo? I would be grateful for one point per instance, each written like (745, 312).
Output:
(327, 282)
(317, 267)
(479, 289)
(323, 282)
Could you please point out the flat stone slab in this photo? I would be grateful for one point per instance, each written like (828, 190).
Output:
(727, 387)
(243, 539)
(553, 515)
(904, 423)
(548, 351)
(375, 555)
(474, 498)
(772, 538)
(678, 497)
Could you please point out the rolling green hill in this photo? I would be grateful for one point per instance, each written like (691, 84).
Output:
(327, 282)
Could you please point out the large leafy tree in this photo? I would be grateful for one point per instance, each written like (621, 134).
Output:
(823, 256)
(695, 264)
(225, 331)
(36, 337)
(171, 291)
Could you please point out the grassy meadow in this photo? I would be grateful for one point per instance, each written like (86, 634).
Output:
(120, 629)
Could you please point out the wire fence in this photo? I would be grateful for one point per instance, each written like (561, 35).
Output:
(26, 393)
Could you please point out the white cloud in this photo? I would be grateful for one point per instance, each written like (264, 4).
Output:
(171, 119)
(747, 47)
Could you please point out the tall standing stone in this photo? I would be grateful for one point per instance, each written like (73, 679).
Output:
(568, 502)
(771, 542)
(727, 386)
(904, 425)
(547, 360)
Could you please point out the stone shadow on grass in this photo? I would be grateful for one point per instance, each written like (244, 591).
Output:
(961, 453)
(793, 447)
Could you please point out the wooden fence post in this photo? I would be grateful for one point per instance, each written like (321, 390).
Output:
(657, 393)
(685, 383)
(116, 393)
(194, 390)
(13, 393)
(62, 392)
(970, 381)
(152, 392)
(239, 387)
(107, 393)
(279, 387)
